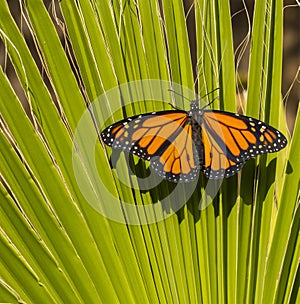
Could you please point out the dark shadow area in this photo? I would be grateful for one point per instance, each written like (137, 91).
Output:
(289, 169)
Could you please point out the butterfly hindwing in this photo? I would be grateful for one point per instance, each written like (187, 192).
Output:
(216, 163)
(180, 160)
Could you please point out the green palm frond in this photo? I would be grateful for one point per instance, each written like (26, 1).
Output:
(67, 235)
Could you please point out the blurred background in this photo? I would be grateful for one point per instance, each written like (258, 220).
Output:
(241, 11)
(291, 51)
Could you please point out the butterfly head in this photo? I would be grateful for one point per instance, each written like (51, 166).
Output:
(194, 105)
(195, 111)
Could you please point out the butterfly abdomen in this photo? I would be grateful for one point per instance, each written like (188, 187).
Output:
(197, 139)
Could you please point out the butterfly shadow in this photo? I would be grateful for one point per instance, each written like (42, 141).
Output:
(148, 181)
(160, 189)
(261, 177)
(210, 196)
(172, 196)
(157, 187)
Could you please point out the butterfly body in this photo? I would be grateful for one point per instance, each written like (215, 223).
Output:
(180, 144)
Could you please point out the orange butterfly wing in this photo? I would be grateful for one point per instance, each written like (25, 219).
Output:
(178, 144)
(229, 140)
(164, 138)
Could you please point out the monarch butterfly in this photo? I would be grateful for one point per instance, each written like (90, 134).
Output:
(179, 144)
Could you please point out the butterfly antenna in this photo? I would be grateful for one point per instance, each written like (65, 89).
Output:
(210, 93)
(171, 90)
(210, 102)
(174, 107)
